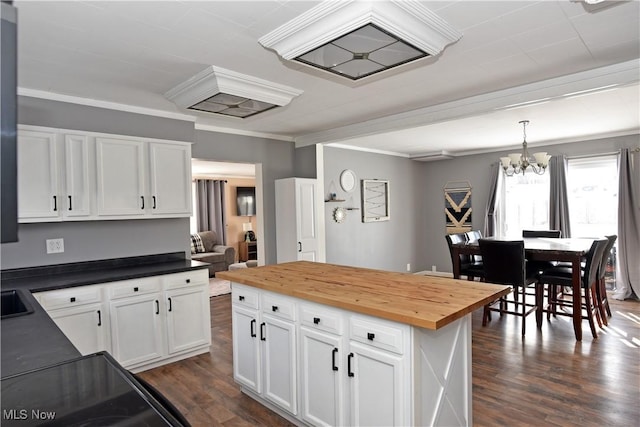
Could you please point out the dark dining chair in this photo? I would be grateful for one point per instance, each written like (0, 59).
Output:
(559, 277)
(553, 234)
(474, 236)
(468, 266)
(601, 288)
(505, 263)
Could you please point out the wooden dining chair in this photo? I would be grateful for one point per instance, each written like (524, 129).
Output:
(553, 234)
(468, 266)
(558, 277)
(601, 288)
(504, 263)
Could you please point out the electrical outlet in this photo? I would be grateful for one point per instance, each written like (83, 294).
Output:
(55, 246)
(433, 268)
(408, 267)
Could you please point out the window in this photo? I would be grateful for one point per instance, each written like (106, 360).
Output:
(592, 190)
(524, 204)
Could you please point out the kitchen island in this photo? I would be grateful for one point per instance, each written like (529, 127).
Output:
(324, 344)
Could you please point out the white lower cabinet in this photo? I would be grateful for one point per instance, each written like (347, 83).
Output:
(352, 369)
(86, 326)
(264, 346)
(143, 322)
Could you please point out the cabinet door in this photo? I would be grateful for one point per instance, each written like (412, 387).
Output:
(246, 347)
(86, 327)
(377, 387)
(279, 340)
(188, 318)
(120, 176)
(76, 203)
(37, 176)
(136, 329)
(322, 378)
(306, 221)
(170, 177)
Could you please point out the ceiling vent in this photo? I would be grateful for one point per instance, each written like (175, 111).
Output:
(224, 92)
(356, 39)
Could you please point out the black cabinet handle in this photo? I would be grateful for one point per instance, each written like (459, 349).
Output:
(333, 359)
(299, 246)
(188, 280)
(349, 372)
(241, 298)
(99, 318)
(263, 336)
(70, 206)
(274, 308)
(72, 299)
(154, 201)
(157, 307)
(170, 308)
(316, 320)
(142, 197)
(370, 336)
(253, 328)
(135, 289)
(55, 203)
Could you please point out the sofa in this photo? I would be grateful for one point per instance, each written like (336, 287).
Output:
(205, 247)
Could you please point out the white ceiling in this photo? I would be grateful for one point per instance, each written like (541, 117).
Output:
(128, 54)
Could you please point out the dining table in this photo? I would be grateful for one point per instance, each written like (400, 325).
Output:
(571, 250)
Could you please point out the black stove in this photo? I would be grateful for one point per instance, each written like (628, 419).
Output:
(93, 390)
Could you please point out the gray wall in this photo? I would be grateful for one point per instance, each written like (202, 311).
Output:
(277, 159)
(387, 245)
(91, 240)
(305, 162)
(476, 169)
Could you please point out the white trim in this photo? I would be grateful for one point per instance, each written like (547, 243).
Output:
(322, 242)
(556, 88)
(35, 93)
(367, 150)
(212, 128)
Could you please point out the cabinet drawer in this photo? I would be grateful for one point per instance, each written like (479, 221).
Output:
(318, 317)
(243, 295)
(133, 287)
(189, 278)
(377, 333)
(279, 306)
(70, 297)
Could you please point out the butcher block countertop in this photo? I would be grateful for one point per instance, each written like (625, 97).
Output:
(425, 301)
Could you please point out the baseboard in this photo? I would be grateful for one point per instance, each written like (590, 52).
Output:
(434, 273)
(157, 363)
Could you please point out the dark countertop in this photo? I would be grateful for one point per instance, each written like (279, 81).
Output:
(34, 341)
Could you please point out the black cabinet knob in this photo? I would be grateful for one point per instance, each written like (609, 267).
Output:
(135, 289)
(316, 320)
(72, 299)
(370, 336)
(274, 308)
(188, 280)
(240, 297)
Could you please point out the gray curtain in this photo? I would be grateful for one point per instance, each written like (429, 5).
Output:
(558, 200)
(628, 267)
(211, 214)
(490, 215)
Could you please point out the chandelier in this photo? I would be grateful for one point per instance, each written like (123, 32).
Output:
(517, 163)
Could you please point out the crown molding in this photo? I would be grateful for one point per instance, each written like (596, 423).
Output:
(366, 150)
(556, 88)
(213, 80)
(408, 20)
(220, 129)
(432, 157)
(52, 96)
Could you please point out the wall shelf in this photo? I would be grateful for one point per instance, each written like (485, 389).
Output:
(334, 200)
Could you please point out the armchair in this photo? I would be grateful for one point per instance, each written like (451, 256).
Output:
(219, 256)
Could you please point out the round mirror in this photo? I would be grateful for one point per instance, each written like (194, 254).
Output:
(347, 180)
(339, 214)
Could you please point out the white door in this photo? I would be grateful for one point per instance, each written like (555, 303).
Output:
(170, 175)
(278, 339)
(37, 176)
(376, 387)
(76, 201)
(86, 327)
(188, 319)
(322, 378)
(246, 348)
(120, 177)
(136, 329)
(306, 221)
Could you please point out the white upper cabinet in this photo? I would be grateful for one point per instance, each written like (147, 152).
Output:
(120, 168)
(169, 175)
(37, 176)
(77, 176)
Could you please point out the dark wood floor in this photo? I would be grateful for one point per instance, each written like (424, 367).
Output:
(547, 378)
